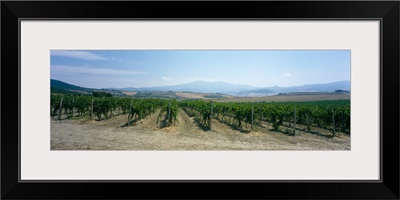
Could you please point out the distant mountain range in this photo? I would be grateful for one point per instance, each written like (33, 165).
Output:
(199, 86)
(245, 90)
(218, 87)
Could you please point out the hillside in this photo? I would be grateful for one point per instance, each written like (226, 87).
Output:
(61, 87)
(210, 89)
(66, 86)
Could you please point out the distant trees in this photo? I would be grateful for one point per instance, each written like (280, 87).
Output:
(345, 91)
(102, 94)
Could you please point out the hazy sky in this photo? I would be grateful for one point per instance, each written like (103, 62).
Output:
(145, 68)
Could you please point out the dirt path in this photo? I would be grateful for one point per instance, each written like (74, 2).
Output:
(110, 134)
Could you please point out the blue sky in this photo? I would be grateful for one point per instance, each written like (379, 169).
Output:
(147, 68)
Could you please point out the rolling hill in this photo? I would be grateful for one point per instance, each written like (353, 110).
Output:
(66, 88)
(239, 90)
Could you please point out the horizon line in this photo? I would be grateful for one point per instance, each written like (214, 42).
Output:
(202, 81)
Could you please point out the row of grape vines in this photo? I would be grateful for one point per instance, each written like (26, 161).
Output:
(100, 108)
(331, 115)
(170, 111)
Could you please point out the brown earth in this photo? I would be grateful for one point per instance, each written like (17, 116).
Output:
(197, 95)
(186, 134)
(190, 95)
(129, 93)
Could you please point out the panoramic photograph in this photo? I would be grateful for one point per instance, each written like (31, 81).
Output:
(200, 100)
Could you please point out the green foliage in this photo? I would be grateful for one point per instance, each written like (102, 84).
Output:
(103, 107)
(317, 113)
(320, 113)
(213, 96)
(200, 109)
(141, 108)
(170, 110)
(101, 94)
(55, 90)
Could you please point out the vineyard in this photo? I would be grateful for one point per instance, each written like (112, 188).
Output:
(333, 116)
(100, 108)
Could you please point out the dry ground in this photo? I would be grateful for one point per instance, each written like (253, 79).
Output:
(197, 95)
(129, 93)
(110, 134)
(190, 95)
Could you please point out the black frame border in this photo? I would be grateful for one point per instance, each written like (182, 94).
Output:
(204, 181)
(386, 11)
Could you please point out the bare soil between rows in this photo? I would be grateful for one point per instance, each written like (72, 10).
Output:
(186, 134)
